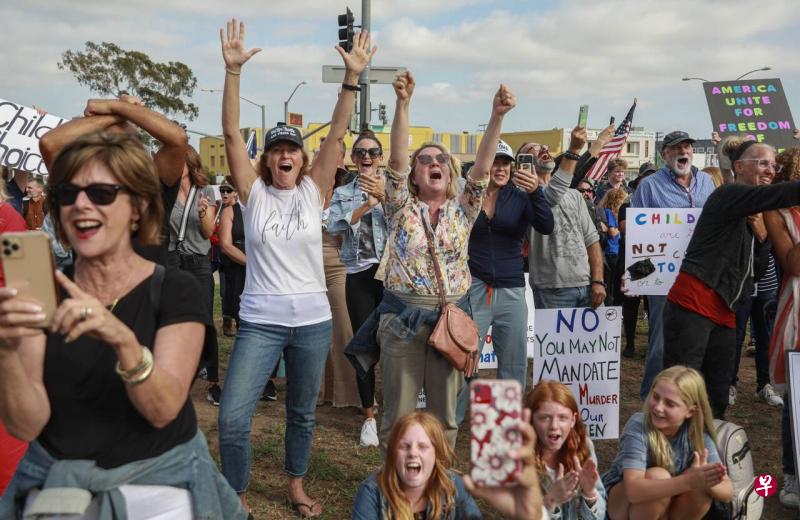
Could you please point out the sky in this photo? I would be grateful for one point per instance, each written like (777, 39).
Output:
(554, 55)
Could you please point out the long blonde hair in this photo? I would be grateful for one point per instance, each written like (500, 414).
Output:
(693, 392)
(613, 200)
(440, 491)
(454, 164)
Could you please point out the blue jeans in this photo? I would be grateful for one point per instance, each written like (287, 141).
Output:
(654, 362)
(561, 298)
(507, 314)
(255, 354)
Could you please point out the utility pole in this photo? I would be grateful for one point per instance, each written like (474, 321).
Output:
(363, 79)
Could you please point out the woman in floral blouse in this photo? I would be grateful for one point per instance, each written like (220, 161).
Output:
(423, 192)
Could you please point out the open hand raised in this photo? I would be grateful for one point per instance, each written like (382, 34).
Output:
(233, 49)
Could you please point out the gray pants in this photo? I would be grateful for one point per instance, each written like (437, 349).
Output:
(408, 365)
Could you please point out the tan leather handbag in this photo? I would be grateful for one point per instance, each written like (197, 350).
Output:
(456, 334)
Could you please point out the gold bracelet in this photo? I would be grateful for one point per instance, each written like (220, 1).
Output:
(147, 359)
(229, 71)
(143, 376)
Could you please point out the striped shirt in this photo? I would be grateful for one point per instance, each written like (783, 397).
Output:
(769, 282)
(662, 190)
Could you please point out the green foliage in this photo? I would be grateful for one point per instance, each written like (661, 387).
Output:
(110, 70)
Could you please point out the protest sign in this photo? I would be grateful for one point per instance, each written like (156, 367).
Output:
(21, 128)
(656, 240)
(754, 107)
(580, 348)
(488, 358)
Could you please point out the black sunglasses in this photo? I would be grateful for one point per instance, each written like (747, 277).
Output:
(99, 193)
(586, 190)
(225, 190)
(362, 152)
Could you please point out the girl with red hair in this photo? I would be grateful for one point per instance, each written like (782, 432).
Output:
(565, 458)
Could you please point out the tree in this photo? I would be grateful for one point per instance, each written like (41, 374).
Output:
(110, 70)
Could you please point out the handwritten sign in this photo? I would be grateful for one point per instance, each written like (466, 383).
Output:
(488, 356)
(661, 236)
(754, 107)
(580, 348)
(20, 130)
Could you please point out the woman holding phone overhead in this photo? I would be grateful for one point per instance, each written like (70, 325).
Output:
(284, 308)
(104, 392)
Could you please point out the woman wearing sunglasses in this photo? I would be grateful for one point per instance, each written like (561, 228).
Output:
(356, 212)
(284, 307)
(104, 391)
(423, 192)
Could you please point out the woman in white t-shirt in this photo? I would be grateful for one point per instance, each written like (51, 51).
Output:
(284, 308)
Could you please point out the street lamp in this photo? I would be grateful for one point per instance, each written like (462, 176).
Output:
(699, 79)
(286, 103)
(262, 107)
(752, 71)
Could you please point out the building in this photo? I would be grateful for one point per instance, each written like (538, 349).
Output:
(212, 151)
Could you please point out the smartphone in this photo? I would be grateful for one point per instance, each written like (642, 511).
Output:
(525, 162)
(28, 267)
(495, 408)
(611, 121)
(583, 116)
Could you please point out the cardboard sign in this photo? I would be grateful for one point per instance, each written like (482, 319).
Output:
(660, 236)
(754, 107)
(488, 357)
(20, 130)
(580, 348)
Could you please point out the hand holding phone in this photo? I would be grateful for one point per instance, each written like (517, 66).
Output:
(29, 269)
(526, 180)
(583, 116)
(495, 410)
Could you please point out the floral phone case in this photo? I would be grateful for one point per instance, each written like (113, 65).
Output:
(495, 410)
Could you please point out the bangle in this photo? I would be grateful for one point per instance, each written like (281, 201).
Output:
(138, 373)
(229, 71)
(571, 155)
(599, 282)
(353, 88)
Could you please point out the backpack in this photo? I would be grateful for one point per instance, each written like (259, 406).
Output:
(734, 451)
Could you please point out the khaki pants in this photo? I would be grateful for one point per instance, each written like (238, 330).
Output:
(408, 365)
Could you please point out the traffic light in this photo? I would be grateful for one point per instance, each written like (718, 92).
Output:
(382, 113)
(346, 32)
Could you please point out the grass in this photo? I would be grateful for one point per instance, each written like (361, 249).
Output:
(338, 464)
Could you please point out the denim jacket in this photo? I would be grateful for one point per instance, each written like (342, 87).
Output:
(371, 504)
(363, 350)
(346, 199)
(68, 486)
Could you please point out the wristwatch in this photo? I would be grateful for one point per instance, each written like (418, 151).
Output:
(599, 282)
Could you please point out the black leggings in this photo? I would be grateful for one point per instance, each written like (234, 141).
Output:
(363, 293)
(234, 285)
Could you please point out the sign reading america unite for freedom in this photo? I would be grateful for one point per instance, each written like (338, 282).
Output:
(756, 108)
(21, 128)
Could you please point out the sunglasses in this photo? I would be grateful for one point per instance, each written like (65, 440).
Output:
(99, 193)
(363, 152)
(585, 190)
(764, 164)
(427, 160)
(225, 190)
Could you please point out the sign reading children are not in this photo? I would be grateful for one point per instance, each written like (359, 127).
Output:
(580, 348)
(656, 240)
(21, 128)
(754, 107)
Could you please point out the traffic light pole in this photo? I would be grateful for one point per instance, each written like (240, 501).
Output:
(363, 79)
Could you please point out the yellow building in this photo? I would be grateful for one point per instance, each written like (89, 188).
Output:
(212, 151)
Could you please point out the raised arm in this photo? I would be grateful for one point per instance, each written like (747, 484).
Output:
(561, 179)
(172, 155)
(502, 103)
(235, 55)
(323, 170)
(403, 88)
(51, 143)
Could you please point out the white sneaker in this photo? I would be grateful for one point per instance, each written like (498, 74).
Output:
(790, 494)
(768, 395)
(369, 433)
(731, 396)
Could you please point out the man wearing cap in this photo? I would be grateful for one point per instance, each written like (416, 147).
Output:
(677, 184)
(727, 251)
(566, 267)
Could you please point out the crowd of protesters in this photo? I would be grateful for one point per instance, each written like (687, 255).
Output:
(338, 274)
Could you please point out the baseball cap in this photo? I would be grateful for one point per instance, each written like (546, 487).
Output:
(283, 133)
(673, 138)
(504, 150)
(647, 167)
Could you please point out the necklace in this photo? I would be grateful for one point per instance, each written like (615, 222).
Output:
(121, 292)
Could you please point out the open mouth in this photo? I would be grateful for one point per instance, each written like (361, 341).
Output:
(436, 175)
(285, 167)
(413, 468)
(554, 437)
(683, 162)
(86, 227)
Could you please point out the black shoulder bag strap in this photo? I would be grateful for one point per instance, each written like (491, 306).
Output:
(185, 214)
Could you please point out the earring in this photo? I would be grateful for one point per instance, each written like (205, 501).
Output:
(134, 226)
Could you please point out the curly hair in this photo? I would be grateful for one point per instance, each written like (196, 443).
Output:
(440, 490)
(789, 158)
(576, 443)
(613, 200)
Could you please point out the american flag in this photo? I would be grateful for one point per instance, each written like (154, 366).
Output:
(252, 149)
(612, 148)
